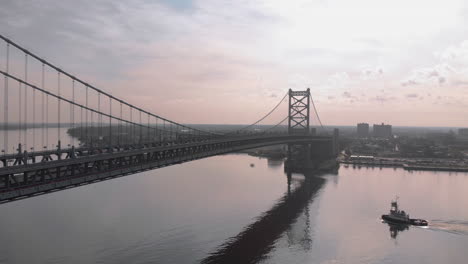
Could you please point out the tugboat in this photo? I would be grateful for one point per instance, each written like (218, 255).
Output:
(401, 217)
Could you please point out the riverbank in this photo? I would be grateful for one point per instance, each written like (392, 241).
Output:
(409, 164)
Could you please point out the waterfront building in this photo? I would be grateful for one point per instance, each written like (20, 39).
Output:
(382, 131)
(363, 130)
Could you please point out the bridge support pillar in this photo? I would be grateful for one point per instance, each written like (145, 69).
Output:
(326, 149)
(314, 156)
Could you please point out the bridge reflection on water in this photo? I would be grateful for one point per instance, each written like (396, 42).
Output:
(258, 239)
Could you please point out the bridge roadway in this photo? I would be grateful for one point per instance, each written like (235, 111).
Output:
(27, 178)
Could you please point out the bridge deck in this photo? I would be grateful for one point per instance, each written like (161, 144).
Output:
(30, 179)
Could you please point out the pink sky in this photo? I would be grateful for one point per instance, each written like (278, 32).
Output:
(230, 62)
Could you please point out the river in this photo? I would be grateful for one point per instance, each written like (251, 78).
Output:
(223, 210)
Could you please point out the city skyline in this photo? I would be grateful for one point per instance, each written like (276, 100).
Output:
(399, 63)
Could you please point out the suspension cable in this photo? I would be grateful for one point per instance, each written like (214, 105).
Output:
(261, 119)
(93, 87)
(60, 98)
(316, 112)
(273, 127)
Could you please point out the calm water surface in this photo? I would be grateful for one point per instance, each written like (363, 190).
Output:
(222, 210)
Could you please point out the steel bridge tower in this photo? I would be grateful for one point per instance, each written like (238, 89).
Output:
(298, 124)
(299, 112)
(305, 155)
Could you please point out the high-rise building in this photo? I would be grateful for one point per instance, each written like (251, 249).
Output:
(463, 132)
(382, 131)
(363, 130)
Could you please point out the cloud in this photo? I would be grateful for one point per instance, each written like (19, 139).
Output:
(409, 82)
(451, 69)
(412, 95)
(455, 54)
(371, 74)
(89, 37)
(430, 75)
(298, 81)
(383, 98)
(339, 79)
(460, 82)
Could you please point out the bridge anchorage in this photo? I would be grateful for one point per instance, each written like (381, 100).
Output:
(113, 137)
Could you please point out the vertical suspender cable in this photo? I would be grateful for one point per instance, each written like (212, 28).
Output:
(91, 124)
(42, 109)
(99, 119)
(155, 129)
(81, 125)
(170, 131)
(20, 114)
(72, 112)
(120, 125)
(164, 131)
(128, 131)
(87, 128)
(148, 130)
(25, 101)
(47, 119)
(5, 101)
(58, 109)
(132, 126)
(141, 131)
(110, 122)
(34, 119)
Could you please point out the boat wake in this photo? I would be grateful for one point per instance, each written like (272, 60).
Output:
(451, 226)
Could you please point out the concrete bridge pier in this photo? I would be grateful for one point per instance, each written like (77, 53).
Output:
(318, 155)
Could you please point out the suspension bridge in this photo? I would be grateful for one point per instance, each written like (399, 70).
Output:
(112, 137)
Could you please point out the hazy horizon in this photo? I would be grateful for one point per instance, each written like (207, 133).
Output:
(68, 125)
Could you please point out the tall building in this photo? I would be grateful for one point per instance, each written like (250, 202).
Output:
(382, 131)
(363, 130)
(463, 132)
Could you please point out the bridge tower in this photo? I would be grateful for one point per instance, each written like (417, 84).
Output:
(305, 155)
(299, 112)
(298, 124)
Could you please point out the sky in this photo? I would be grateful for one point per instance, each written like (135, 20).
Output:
(213, 61)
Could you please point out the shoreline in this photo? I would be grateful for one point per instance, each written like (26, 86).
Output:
(405, 166)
